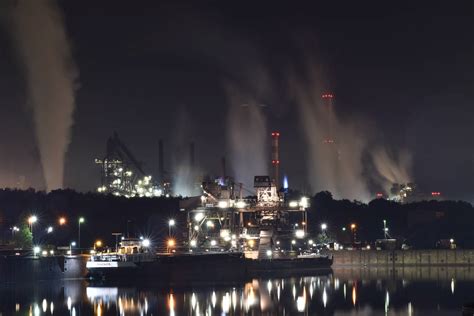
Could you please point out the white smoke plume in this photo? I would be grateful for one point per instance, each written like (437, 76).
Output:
(335, 147)
(392, 168)
(187, 176)
(247, 138)
(39, 33)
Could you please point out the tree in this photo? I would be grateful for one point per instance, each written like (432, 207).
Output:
(24, 238)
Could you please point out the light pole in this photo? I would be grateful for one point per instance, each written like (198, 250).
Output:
(31, 220)
(385, 229)
(171, 223)
(72, 244)
(14, 230)
(353, 230)
(79, 222)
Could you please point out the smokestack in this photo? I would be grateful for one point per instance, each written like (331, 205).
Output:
(276, 157)
(328, 108)
(161, 161)
(191, 154)
(223, 167)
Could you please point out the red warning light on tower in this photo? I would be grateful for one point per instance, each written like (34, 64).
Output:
(435, 193)
(327, 96)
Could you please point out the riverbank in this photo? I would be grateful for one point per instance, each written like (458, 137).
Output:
(457, 257)
(15, 269)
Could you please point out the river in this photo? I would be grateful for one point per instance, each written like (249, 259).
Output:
(416, 291)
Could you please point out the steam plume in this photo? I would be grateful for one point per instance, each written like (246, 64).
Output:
(335, 147)
(186, 175)
(42, 44)
(247, 138)
(392, 169)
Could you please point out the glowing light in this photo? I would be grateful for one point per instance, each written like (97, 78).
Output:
(171, 243)
(213, 242)
(269, 253)
(324, 226)
(213, 299)
(299, 233)
(223, 204)
(251, 242)
(226, 303)
(49, 230)
(325, 298)
(293, 242)
(293, 204)
(304, 202)
(62, 221)
(353, 226)
(210, 224)
(240, 204)
(36, 250)
(69, 303)
(193, 300)
(81, 220)
(387, 302)
(73, 244)
(98, 243)
(198, 217)
(196, 227)
(285, 182)
(368, 247)
(171, 304)
(452, 286)
(32, 219)
(193, 243)
(171, 222)
(45, 305)
(301, 304)
(146, 243)
(354, 295)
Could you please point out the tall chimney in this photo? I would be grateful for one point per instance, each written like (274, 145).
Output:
(276, 158)
(328, 109)
(223, 168)
(161, 161)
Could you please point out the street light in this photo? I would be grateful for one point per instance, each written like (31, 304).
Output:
(171, 223)
(72, 244)
(36, 250)
(353, 230)
(62, 221)
(14, 230)
(324, 226)
(49, 230)
(31, 220)
(79, 222)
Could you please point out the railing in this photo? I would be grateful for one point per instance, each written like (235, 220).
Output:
(136, 257)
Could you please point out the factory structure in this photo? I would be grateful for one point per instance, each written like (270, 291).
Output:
(122, 174)
(408, 193)
(261, 226)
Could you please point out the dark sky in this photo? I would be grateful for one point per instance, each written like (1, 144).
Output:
(151, 71)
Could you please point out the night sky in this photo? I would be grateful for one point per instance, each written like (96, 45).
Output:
(151, 71)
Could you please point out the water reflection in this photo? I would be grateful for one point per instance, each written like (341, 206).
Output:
(431, 291)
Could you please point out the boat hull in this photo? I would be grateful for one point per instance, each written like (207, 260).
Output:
(219, 268)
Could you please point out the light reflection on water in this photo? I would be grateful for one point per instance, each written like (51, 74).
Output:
(415, 291)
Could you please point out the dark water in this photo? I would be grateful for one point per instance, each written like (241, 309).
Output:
(431, 291)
